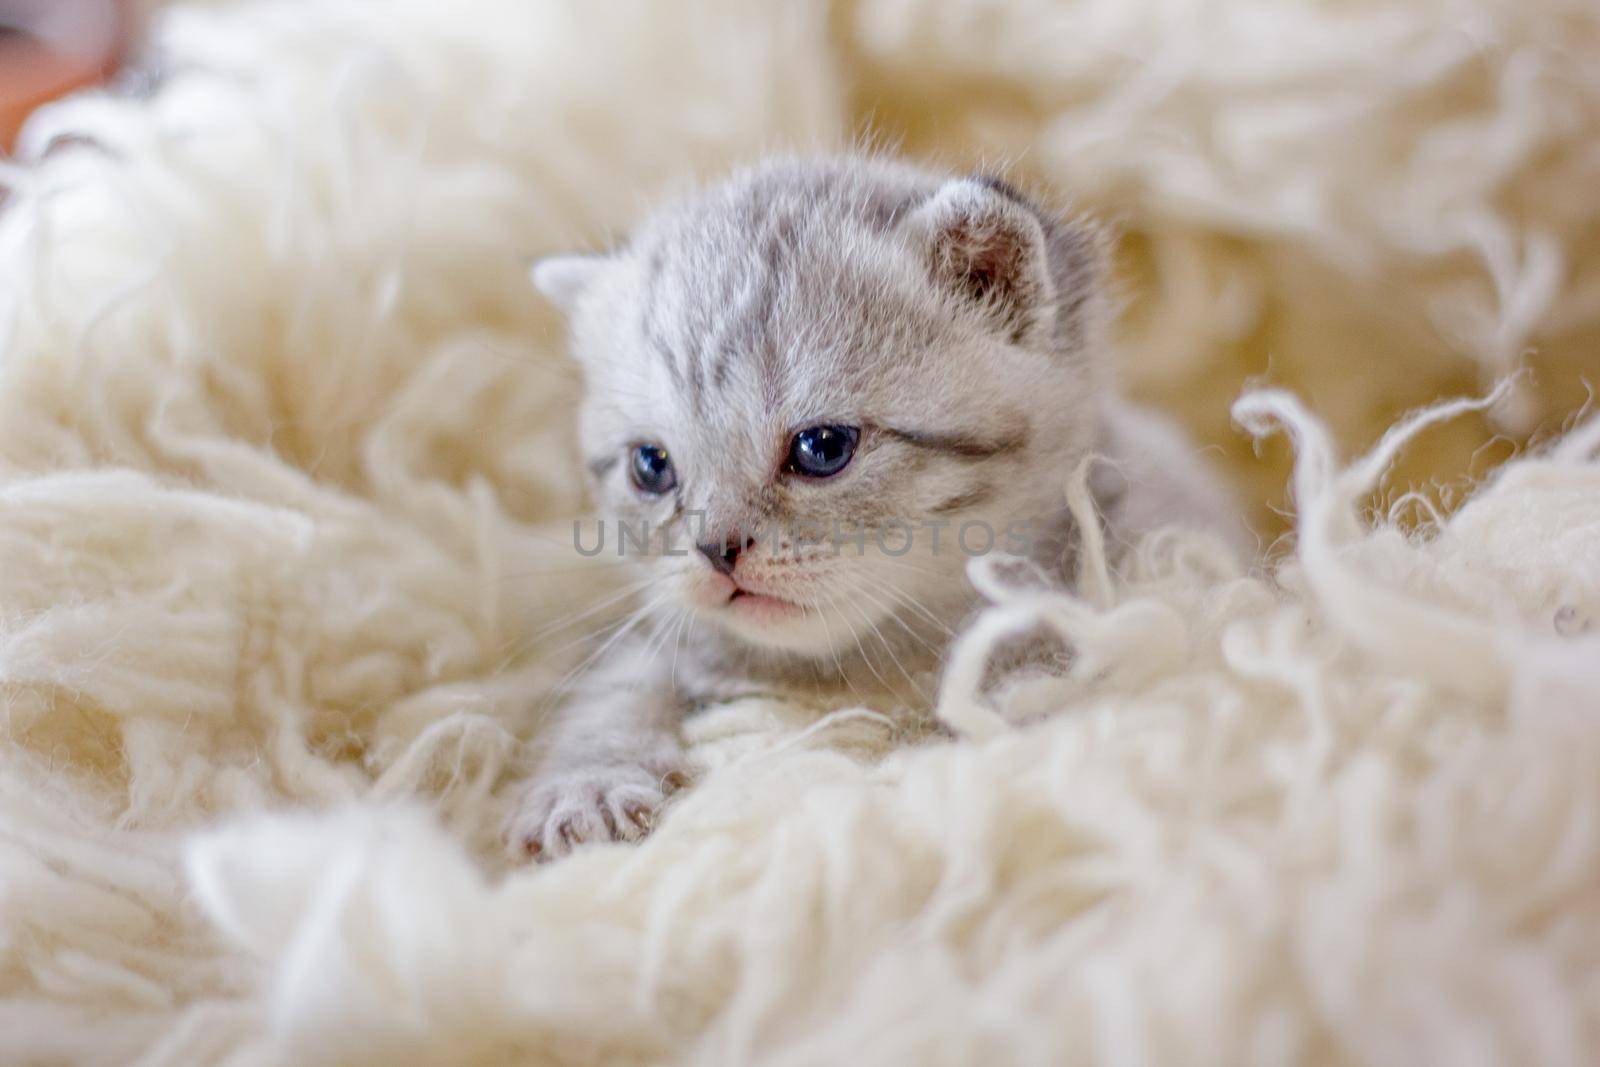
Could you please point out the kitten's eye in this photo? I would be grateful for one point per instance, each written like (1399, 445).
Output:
(652, 469)
(822, 451)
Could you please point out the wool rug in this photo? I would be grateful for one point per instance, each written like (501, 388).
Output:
(287, 475)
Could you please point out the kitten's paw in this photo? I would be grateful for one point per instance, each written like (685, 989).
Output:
(566, 809)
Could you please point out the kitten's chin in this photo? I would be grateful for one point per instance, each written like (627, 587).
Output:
(768, 622)
(773, 623)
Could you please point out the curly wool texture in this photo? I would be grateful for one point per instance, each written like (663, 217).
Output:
(284, 576)
(1381, 203)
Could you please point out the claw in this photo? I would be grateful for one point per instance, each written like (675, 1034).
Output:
(639, 814)
(673, 781)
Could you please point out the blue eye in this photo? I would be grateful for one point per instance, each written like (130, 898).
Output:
(822, 451)
(652, 469)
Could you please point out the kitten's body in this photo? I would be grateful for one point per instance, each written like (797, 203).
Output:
(948, 328)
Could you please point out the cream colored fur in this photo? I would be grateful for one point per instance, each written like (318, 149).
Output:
(285, 472)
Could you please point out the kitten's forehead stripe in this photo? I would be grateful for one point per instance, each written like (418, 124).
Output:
(963, 446)
(743, 327)
(665, 353)
(697, 384)
(650, 320)
(725, 279)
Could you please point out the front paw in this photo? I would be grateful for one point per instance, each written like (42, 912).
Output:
(612, 802)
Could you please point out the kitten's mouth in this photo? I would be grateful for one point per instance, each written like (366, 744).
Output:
(760, 606)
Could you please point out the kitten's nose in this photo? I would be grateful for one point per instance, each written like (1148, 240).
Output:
(724, 554)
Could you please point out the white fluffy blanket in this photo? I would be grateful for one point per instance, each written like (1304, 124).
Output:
(280, 422)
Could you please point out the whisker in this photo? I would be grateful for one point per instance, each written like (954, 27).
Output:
(567, 620)
(576, 568)
(869, 588)
(910, 601)
(884, 641)
(837, 665)
(689, 620)
(907, 565)
(516, 647)
(865, 658)
(563, 687)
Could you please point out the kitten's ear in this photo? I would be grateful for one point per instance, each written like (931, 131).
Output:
(564, 278)
(985, 242)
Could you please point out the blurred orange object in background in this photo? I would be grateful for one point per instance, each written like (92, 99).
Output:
(50, 47)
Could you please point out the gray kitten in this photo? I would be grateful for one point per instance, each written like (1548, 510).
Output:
(813, 349)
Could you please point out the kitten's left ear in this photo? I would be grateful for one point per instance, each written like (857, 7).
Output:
(564, 278)
(986, 243)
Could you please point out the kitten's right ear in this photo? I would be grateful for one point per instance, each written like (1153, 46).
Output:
(984, 242)
(564, 278)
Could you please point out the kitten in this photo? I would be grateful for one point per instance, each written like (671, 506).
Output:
(810, 347)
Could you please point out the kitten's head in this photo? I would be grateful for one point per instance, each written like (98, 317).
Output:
(814, 355)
